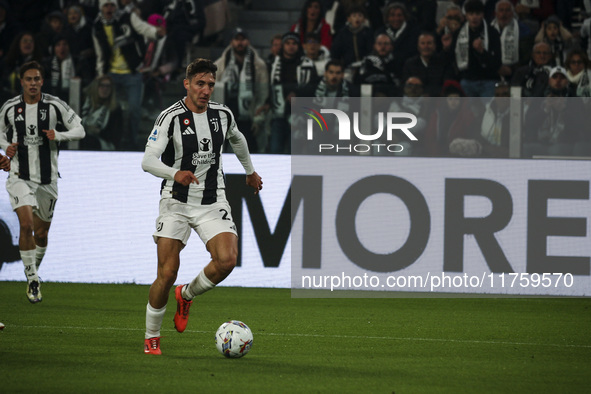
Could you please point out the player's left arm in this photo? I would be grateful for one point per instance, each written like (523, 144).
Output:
(240, 148)
(72, 122)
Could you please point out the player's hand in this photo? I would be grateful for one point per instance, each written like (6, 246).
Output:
(185, 178)
(4, 163)
(255, 181)
(11, 150)
(50, 134)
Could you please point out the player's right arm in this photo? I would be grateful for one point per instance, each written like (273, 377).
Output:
(157, 143)
(151, 163)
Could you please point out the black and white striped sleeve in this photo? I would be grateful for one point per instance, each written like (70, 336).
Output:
(71, 121)
(157, 143)
(240, 147)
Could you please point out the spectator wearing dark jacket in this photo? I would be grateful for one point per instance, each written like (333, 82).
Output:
(52, 26)
(60, 68)
(354, 41)
(533, 77)
(379, 69)
(290, 72)
(78, 32)
(403, 33)
(431, 67)
(186, 22)
(477, 52)
(515, 37)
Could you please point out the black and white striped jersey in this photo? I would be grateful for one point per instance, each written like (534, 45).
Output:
(36, 157)
(183, 140)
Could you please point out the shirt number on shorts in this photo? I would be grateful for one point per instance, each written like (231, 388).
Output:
(225, 214)
(52, 204)
(52, 207)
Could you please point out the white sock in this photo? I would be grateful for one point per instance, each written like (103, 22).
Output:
(39, 253)
(198, 286)
(154, 319)
(28, 257)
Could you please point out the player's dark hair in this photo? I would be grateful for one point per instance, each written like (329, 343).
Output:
(32, 65)
(199, 66)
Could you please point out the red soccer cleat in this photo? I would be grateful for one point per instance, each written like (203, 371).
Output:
(181, 317)
(152, 346)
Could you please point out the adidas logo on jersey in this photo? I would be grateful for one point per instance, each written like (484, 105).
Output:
(20, 118)
(189, 131)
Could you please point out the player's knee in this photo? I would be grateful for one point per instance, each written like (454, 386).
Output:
(26, 228)
(41, 236)
(167, 275)
(227, 261)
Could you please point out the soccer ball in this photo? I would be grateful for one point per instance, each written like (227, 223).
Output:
(233, 339)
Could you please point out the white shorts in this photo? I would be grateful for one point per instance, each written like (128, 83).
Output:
(41, 197)
(176, 220)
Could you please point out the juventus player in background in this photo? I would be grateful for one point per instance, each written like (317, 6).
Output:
(185, 149)
(31, 127)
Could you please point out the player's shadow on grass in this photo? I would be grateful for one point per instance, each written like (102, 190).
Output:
(9, 253)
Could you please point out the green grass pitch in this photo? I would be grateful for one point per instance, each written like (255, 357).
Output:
(89, 339)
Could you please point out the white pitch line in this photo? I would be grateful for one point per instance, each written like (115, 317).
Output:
(326, 336)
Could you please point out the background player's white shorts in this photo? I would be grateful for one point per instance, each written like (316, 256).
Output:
(176, 220)
(41, 197)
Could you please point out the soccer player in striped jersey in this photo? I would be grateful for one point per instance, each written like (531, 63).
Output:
(31, 127)
(185, 149)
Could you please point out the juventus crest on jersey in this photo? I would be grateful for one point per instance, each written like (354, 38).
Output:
(22, 123)
(193, 141)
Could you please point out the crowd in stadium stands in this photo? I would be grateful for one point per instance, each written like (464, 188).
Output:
(123, 53)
